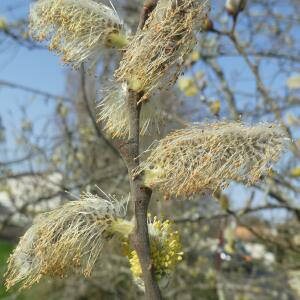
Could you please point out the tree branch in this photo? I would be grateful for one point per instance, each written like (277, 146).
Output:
(91, 115)
(140, 195)
(225, 87)
(34, 91)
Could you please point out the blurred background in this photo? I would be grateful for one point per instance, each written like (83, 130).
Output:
(244, 245)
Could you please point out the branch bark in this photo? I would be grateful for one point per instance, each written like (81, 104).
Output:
(140, 195)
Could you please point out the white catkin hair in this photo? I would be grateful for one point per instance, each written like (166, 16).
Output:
(155, 56)
(114, 114)
(77, 29)
(205, 158)
(65, 240)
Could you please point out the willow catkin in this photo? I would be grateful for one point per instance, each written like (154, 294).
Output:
(205, 158)
(77, 29)
(65, 240)
(165, 247)
(113, 112)
(155, 56)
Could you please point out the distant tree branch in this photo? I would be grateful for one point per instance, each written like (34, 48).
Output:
(33, 90)
(230, 98)
(20, 40)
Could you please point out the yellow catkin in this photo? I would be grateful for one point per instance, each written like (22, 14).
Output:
(166, 250)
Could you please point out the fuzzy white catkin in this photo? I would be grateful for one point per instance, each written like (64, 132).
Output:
(65, 240)
(77, 29)
(155, 56)
(205, 158)
(114, 114)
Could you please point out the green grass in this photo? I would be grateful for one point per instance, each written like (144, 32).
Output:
(5, 250)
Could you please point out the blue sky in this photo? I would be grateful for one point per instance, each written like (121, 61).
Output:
(34, 68)
(41, 69)
(38, 69)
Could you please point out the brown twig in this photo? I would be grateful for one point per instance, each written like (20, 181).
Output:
(140, 195)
